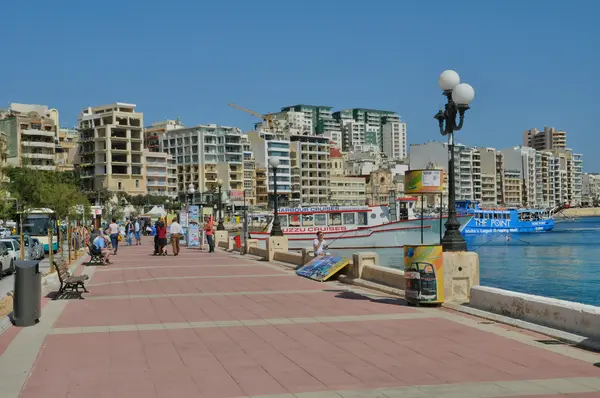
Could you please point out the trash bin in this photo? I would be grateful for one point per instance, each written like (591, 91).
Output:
(423, 274)
(27, 300)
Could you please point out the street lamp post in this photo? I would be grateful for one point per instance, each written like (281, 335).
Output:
(276, 228)
(220, 226)
(459, 97)
(191, 192)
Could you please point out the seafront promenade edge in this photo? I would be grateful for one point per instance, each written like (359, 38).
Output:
(225, 325)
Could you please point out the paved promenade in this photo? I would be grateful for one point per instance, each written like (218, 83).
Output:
(224, 325)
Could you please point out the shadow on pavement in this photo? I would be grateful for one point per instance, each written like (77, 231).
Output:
(348, 295)
(65, 296)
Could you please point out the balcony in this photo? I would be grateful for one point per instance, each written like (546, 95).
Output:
(39, 133)
(38, 155)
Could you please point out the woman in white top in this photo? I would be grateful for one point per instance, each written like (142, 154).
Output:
(113, 232)
(319, 245)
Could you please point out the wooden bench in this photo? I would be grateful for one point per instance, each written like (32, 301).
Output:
(67, 281)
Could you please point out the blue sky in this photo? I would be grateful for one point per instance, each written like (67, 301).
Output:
(532, 63)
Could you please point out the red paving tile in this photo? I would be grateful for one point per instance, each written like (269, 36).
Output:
(238, 361)
(207, 285)
(7, 336)
(170, 271)
(125, 311)
(260, 360)
(574, 395)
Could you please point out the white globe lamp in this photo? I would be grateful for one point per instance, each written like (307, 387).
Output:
(463, 94)
(448, 80)
(274, 162)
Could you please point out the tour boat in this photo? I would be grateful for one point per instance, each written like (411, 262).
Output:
(503, 220)
(346, 227)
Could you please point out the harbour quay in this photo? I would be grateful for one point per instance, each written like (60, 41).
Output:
(225, 324)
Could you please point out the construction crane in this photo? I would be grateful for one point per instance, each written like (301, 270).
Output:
(267, 118)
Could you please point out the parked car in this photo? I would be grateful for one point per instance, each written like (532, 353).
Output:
(38, 249)
(14, 249)
(32, 251)
(7, 264)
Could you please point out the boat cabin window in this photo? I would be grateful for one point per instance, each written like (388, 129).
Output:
(335, 218)
(349, 218)
(320, 220)
(362, 219)
(283, 220)
(294, 220)
(307, 220)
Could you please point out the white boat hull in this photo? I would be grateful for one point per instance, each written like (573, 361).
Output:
(394, 234)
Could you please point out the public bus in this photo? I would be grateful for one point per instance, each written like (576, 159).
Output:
(37, 223)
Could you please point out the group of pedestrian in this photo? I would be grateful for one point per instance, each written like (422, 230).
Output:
(133, 229)
(107, 239)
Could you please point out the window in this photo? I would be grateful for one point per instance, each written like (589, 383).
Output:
(137, 183)
(283, 220)
(120, 185)
(362, 219)
(307, 220)
(349, 218)
(320, 220)
(335, 219)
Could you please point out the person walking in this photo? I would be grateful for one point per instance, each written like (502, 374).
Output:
(161, 236)
(176, 235)
(113, 232)
(128, 232)
(209, 227)
(137, 231)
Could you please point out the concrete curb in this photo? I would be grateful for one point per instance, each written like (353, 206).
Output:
(579, 341)
(370, 285)
(566, 337)
(569, 338)
(49, 284)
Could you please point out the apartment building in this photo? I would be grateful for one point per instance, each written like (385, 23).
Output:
(67, 146)
(492, 165)
(111, 148)
(266, 145)
(526, 160)
(348, 191)
(31, 132)
(362, 130)
(362, 163)
(344, 190)
(513, 187)
(467, 166)
(262, 187)
(591, 185)
(549, 138)
(161, 173)
(154, 133)
(394, 140)
(311, 154)
(205, 153)
(249, 173)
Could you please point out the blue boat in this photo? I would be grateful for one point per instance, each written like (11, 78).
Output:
(502, 220)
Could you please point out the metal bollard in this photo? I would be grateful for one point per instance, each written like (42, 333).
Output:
(27, 300)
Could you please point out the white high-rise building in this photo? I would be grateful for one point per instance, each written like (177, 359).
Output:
(394, 140)
(205, 153)
(266, 145)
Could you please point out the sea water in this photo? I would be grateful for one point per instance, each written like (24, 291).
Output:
(563, 263)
